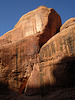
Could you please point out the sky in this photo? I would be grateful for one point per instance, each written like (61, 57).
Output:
(12, 10)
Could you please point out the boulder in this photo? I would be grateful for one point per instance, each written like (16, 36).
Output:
(68, 23)
(43, 20)
(19, 48)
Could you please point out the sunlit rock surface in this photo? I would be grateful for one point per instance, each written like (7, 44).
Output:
(36, 60)
(39, 21)
(56, 63)
(68, 23)
(19, 56)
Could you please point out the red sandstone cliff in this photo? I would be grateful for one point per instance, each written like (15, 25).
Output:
(35, 58)
(19, 55)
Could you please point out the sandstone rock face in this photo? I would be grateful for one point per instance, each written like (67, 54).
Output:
(43, 20)
(19, 49)
(68, 23)
(56, 63)
(17, 60)
(57, 59)
(35, 61)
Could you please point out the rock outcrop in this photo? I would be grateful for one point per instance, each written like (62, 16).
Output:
(37, 57)
(43, 20)
(19, 56)
(68, 23)
(56, 62)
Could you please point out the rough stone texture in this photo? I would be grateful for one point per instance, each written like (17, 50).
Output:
(43, 20)
(58, 51)
(55, 72)
(56, 63)
(19, 52)
(29, 64)
(68, 23)
(57, 59)
(17, 60)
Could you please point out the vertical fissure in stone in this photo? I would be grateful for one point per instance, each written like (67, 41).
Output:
(17, 63)
(20, 59)
(70, 42)
(0, 68)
